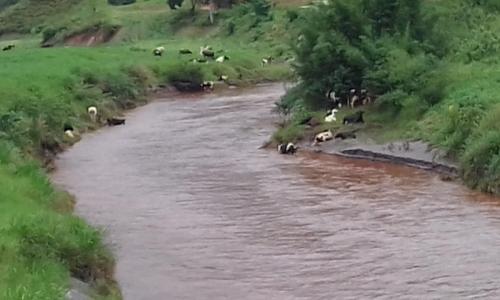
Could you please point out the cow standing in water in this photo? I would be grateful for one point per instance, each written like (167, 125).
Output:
(289, 148)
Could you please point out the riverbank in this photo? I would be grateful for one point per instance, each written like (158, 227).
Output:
(369, 144)
(443, 91)
(41, 91)
(415, 154)
(182, 223)
(42, 244)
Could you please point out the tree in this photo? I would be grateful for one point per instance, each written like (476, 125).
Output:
(383, 14)
(331, 57)
(394, 16)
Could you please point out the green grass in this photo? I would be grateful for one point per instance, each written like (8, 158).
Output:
(43, 89)
(56, 85)
(30, 16)
(41, 243)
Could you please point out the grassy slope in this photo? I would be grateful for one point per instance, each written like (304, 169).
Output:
(41, 243)
(464, 122)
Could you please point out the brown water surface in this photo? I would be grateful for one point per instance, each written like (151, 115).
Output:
(194, 210)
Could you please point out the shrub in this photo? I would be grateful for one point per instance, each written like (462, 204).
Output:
(121, 88)
(291, 133)
(49, 33)
(66, 239)
(457, 123)
(141, 75)
(392, 101)
(260, 7)
(288, 102)
(292, 15)
(481, 162)
(185, 72)
(433, 88)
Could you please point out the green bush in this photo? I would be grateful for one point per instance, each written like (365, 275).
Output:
(481, 162)
(292, 15)
(65, 239)
(48, 33)
(458, 122)
(289, 134)
(185, 72)
(292, 100)
(433, 87)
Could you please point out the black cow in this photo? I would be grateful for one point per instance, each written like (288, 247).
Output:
(8, 47)
(185, 51)
(199, 60)
(115, 121)
(208, 53)
(187, 86)
(345, 135)
(68, 127)
(357, 117)
(333, 100)
(207, 85)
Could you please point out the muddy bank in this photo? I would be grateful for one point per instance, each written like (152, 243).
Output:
(415, 154)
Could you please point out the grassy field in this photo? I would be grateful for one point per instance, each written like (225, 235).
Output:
(44, 89)
(41, 243)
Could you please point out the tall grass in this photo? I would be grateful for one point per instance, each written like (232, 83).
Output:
(39, 242)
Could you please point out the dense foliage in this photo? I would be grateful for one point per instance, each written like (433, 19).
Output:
(432, 64)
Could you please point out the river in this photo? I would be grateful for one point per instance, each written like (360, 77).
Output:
(193, 209)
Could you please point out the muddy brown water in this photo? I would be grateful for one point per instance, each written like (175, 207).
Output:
(194, 210)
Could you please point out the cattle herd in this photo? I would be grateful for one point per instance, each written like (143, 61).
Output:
(207, 54)
(352, 100)
(69, 130)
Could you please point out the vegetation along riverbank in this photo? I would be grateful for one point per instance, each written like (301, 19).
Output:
(62, 57)
(420, 70)
(426, 70)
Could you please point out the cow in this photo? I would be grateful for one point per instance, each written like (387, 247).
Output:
(115, 121)
(8, 47)
(289, 148)
(357, 117)
(345, 135)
